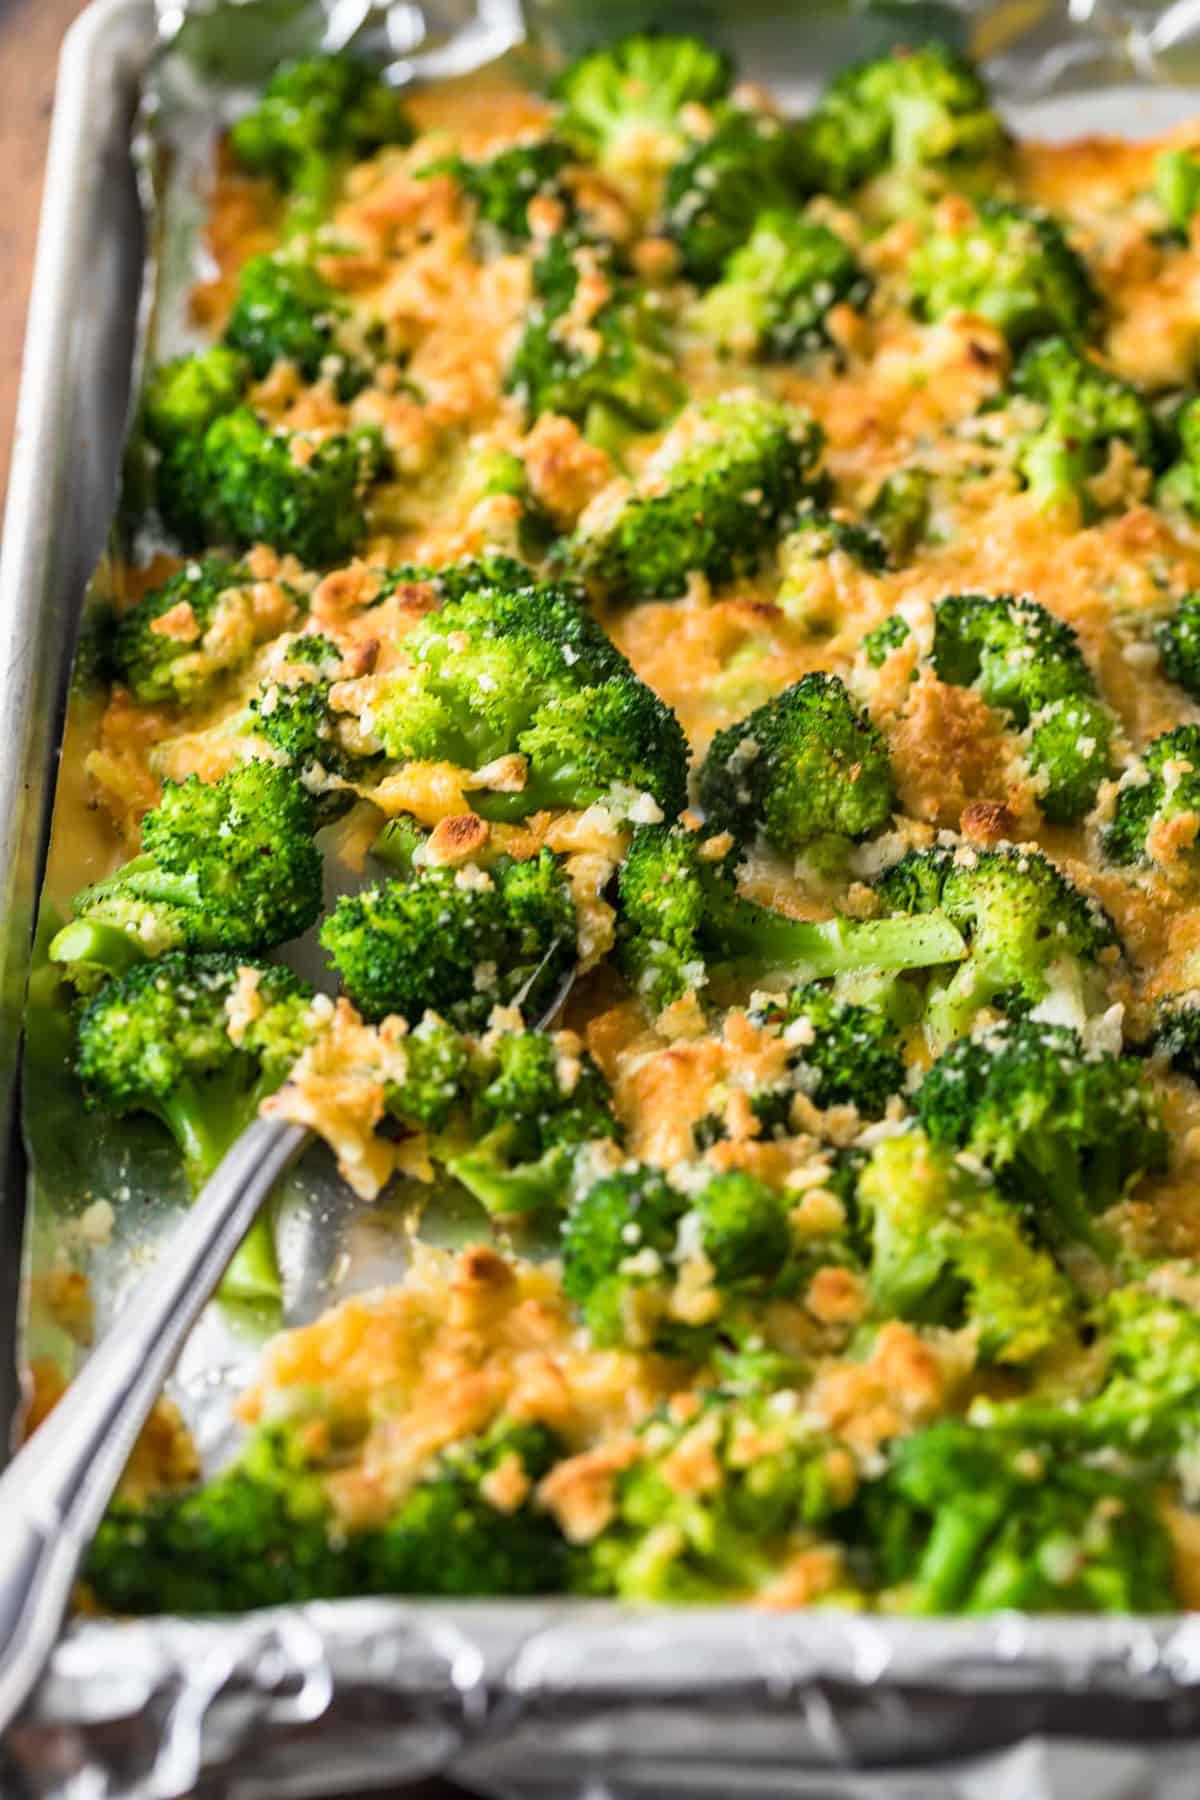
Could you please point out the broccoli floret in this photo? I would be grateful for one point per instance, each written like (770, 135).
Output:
(971, 1520)
(1178, 640)
(885, 637)
(1086, 410)
(947, 1250)
(808, 770)
(224, 865)
(263, 1533)
(1019, 655)
(613, 379)
(773, 1479)
(1031, 933)
(526, 672)
(900, 512)
(437, 1073)
(818, 562)
(1177, 1034)
(457, 942)
(318, 115)
(847, 1054)
(450, 1538)
(285, 310)
(1177, 189)
(536, 1100)
(1165, 787)
(1180, 486)
(1011, 266)
(1027, 662)
(622, 103)
(161, 1039)
(776, 292)
(243, 483)
(1064, 1131)
(710, 501)
(721, 182)
(1147, 1402)
(180, 639)
(184, 396)
(258, 1534)
(925, 110)
(502, 186)
(622, 1255)
(291, 712)
(681, 922)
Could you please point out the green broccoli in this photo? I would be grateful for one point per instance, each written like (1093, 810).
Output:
(1065, 1131)
(502, 186)
(815, 559)
(535, 1102)
(1146, 1404)
(162, 1039)
(184, 396)
(1028, 663)
(524, 670)
(263, 1533)
(615, 377)
(627, 1240)
(1031, 933)
(882, 639)
(1178, 640)
(622, 103)
(284, 310)
(682, 922)
(224, 865)
(743, 167)
(776, 292)
(911, 113)
(1177, 189)
(243, 483)
(1164, 786)
(808, 770)
(770, 1481)
(947, 1250)
(317, 115)
(847, 1054)
(971, 1520)
(711, 500)
(1177, 1034)
(1011, 266)
(216, 634)
(1084, 411)
(459, 942)
(1179, 487)
(900, 512)
(292, 715)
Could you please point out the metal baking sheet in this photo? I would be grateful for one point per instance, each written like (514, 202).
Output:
(514, 1699)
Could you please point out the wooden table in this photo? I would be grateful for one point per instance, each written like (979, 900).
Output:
(30, 34)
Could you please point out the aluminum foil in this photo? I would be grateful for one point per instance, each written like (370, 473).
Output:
(559, 1698)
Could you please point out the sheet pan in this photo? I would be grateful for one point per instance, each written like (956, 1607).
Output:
(514, 1699)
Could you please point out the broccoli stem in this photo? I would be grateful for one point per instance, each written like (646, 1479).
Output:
(504, 1191)
(810, 950)
(142, 876)
(951, 1552)
(205, 1124)
(91, 944)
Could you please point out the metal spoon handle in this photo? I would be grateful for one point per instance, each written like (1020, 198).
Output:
(55, 1490)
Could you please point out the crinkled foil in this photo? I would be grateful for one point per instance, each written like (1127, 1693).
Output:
(554, 1699)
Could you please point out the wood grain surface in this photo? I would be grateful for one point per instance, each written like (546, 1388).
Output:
(31, 32)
